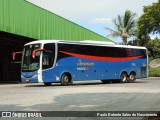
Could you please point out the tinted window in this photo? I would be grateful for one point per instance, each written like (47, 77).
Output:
(139, 52)
(48, 55)
(101, 51)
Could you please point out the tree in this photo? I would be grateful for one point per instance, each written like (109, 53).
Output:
(125, 26)
(135, 42)
(149, 22)
(153, 47)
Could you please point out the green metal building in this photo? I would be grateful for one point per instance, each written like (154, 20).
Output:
(22, 22)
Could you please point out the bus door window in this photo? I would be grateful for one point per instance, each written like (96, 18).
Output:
(48, 55)
(46, 58)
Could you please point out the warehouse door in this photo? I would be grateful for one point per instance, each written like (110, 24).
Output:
(9, 69)
(1, 72)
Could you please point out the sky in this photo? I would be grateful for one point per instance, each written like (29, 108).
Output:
(94, 14)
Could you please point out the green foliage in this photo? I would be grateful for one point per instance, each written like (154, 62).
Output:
(149, 22)
(135, 42)
(154, 72)
(153, 47)
(125, 26)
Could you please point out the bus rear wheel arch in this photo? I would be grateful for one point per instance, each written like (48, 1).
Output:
(132, 77)
(66, 79)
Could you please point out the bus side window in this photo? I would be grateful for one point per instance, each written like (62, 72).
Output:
(133, 52)
(128, 52)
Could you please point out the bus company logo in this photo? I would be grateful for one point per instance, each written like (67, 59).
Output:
(83, 68)
(6, 114)
(21, 114)
(80, 63)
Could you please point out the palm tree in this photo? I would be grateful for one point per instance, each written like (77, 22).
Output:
(125, 26)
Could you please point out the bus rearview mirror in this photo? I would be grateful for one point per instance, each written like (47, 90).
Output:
(14, 54)
(34, 52)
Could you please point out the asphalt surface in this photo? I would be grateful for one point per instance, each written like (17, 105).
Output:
(143, 95)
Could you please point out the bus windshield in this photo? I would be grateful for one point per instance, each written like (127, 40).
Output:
(28, 63)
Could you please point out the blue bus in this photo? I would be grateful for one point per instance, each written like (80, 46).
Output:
(53, 61)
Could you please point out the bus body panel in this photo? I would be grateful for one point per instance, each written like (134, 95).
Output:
(99, 71)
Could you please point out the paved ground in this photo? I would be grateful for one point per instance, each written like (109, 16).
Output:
(143, 95)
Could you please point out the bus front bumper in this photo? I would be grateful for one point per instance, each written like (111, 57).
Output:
(33, 79)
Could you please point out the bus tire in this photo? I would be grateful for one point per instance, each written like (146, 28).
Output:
(132, 78)
(66, 79)
(48, 84)
(123, 77)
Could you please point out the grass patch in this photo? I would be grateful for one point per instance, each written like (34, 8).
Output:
(154, 72)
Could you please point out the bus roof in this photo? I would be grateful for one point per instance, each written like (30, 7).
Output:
(85, 42)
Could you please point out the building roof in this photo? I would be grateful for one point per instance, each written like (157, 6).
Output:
(26, 19)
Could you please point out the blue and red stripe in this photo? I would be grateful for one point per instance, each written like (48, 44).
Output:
(108, 59)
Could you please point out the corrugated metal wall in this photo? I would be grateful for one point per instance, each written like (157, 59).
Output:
(23, 18)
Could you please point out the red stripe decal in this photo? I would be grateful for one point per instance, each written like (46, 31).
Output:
(109, 59)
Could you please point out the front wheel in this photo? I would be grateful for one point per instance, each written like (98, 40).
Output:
(66, 79)
(123, 77)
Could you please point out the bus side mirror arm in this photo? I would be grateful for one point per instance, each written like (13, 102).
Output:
(34, 52)
(14, 54)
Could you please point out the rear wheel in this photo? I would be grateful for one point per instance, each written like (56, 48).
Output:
(132, 78)
(123, 77)
(66, 79)
(48, 84)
